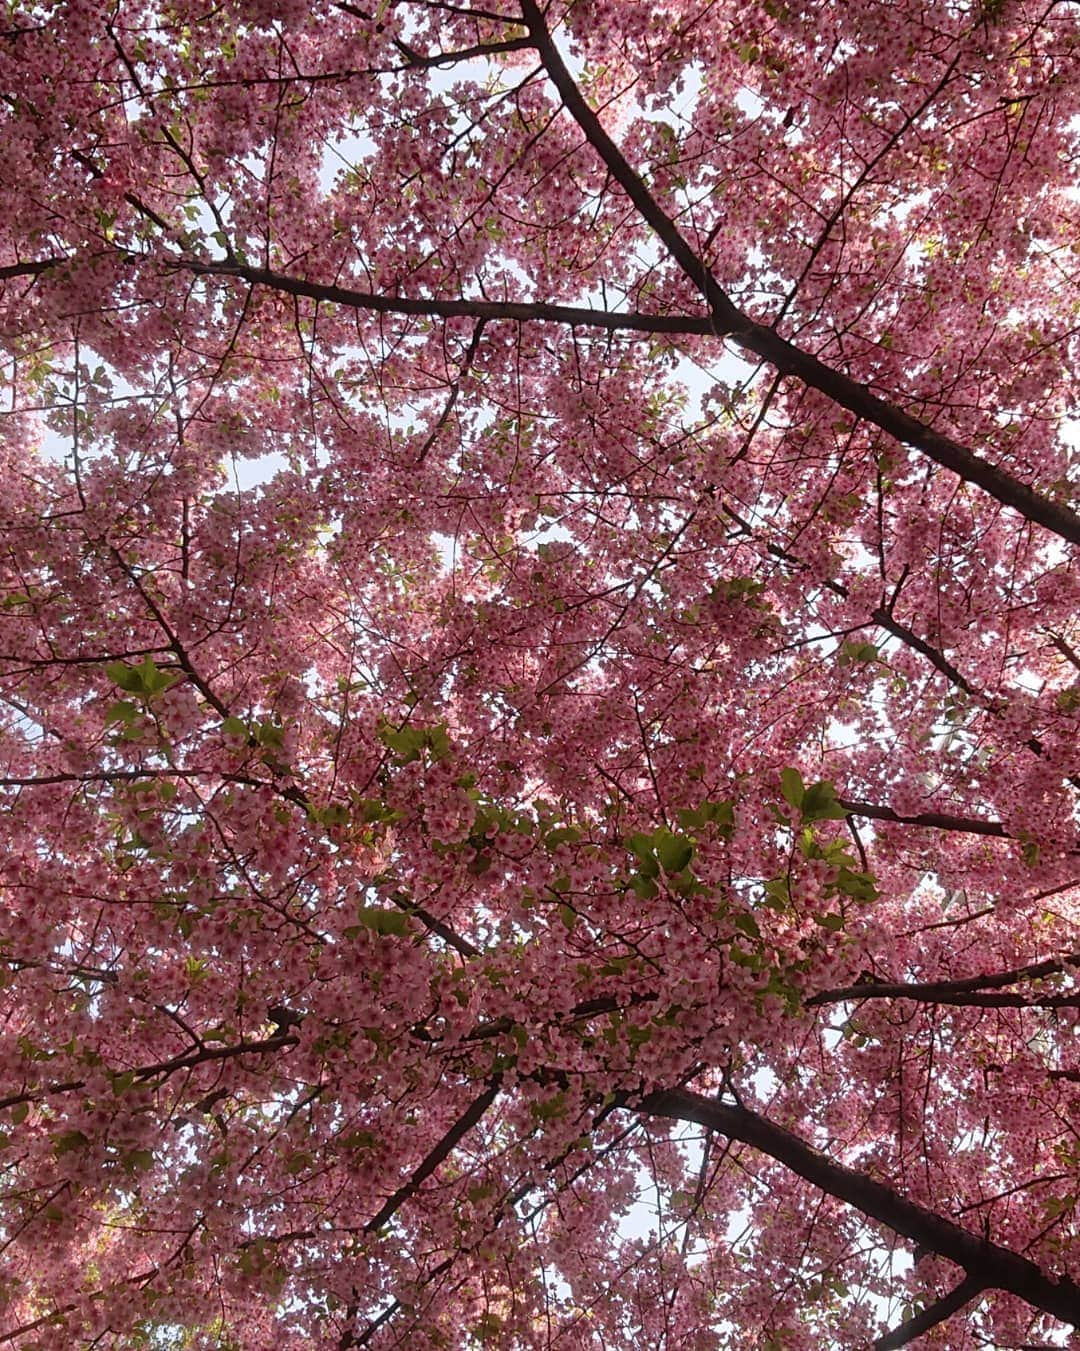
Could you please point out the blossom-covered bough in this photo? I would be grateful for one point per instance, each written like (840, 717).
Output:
(539, 674)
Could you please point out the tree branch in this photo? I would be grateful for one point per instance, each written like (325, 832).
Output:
(767, 344)
(450, 1140)
(955, 991)
(163, 1068)
(969, 825)
(968, 1289)
(520, 311)
(31, 269)
(997, 1267)
(725, 320)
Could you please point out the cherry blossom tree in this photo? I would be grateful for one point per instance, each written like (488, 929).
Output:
(539, 674)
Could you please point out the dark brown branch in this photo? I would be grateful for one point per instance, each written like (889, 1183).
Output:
(968, 1289)
(290, 791)
(958, 991)
(162, 1069)
(997, 1267)
(455, 391)
(103, 776)
(32, 269)
(969, 825)
(885, 619)
(725, 320)
(450, 1140)
(921, 996)
(947, 669)
(937, 659)
(481, 50)
(766, 343)
(520, 311)
(588, 1008)
(1066, 651)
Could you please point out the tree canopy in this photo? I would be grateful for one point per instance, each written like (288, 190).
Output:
(539, 674)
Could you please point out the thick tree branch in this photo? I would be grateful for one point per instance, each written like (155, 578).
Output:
(968, 1289)
(725, 320)
(997, 1267)
(767, 344)
(480, 51)
(937, 659)
(162, 1069)
(457, 1132)
(519, 311)
(968, 990)
(968, 825)
(30, 269)
(923, 996)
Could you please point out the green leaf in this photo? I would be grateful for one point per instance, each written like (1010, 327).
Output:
(641, 846)
(561, 835)
(568, 916)
(674, 852)
(196, 968)
(791, 785)
(819, 803)
(722, 814)
(127, 677)
(438, 741)
(336, 814)
(271, 735)
(551, 1109)
(386, 923)
(361, 1139)
(144, 679)
(834, 923)
(374, 812)
(650, 867)
(859, 886)
(850, 653)
(1068, 701)
(125, 711)
(20, 1112)
(69, 1140)
(748, 924)
(777, 894)
(406, 742)
(644, 887)
(743, 958)
(235, 727)
(409, 743)
(138, 1160)
(782, 989)
(487, 1328)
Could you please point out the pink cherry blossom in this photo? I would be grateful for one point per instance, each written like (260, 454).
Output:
(539, 675)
